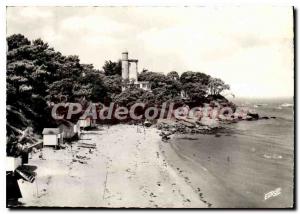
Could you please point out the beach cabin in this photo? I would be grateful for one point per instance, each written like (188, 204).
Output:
(87, 122)
(13, 162)
(84, 123)
(52, 137)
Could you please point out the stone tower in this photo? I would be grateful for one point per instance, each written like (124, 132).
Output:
(128, 71)
(125, 66)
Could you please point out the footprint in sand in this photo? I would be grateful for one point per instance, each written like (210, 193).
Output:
(49, 180)
(152, 195)
(187, 180)
(187, 200)
(165, 163)
(202, 198)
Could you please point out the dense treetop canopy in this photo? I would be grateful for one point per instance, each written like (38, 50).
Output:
(38, 76)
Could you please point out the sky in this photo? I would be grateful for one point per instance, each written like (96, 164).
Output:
(250, 48)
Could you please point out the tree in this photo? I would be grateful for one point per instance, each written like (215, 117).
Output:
(163, 87)
(129, 97)
(16, 41)
(113, 85)
(93, 83)
(195, 91)
(112, 68)
(216, 86)
(19, 81)
(195, 85)
(194, 77)
(36, 76)
(173, 75)
(155, 79)
(61, 90)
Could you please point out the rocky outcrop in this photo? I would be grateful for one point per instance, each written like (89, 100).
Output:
(185, 126)
(252, 116)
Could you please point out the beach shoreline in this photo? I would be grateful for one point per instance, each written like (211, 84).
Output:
(209, 188)
(127, 169)
(236, 168)
(133, 166)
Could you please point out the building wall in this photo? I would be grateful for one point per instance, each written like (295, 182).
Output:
(50, 140)
(12, 163)
(133, 71)
(82, 123)
(85, 123)
(125, 69)
(125, 65)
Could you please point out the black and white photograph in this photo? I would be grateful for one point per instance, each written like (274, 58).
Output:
(150, 106)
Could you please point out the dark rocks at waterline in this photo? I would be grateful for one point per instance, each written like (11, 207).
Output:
(165, 137)
(254, 116)
(267, 118)
(178, 128)
(249, 118)
(264, 118)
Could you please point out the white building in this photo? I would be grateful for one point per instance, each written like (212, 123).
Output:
(52, 137)
(83, 123)
(87, 122)
(13, 162)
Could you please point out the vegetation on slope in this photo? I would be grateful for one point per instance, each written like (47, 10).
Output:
(38, 76)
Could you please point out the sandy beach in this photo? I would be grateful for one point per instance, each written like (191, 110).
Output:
(132, 167)
(127, 168)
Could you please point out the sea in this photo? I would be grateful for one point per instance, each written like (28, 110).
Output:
(253, 160)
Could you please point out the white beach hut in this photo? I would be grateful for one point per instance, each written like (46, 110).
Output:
(13, 162)
(84, 123)
(52, 136)
(87, 122)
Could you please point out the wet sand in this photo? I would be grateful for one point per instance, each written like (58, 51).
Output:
(209, 187)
